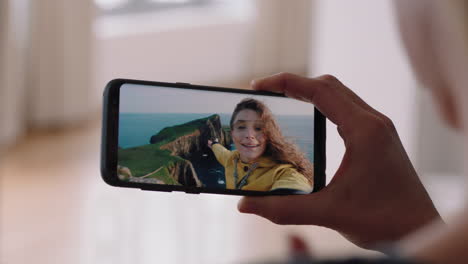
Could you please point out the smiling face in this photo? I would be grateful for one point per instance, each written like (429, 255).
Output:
(247, 134)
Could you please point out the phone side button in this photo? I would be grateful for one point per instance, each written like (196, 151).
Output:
(183, 83)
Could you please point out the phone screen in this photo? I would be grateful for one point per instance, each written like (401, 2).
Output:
(214, 139)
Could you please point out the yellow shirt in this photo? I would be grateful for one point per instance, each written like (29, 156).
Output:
(268, 176)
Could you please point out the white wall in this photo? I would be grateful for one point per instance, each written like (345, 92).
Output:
(210, 45)
(438, 147)
(358, 42)
(14, 31)
(196, 55)
(221, 45)
(45, 52)
(281, 36)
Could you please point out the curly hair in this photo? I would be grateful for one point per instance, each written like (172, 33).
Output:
(277, 146)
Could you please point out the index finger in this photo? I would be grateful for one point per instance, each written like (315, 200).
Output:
(325, 93)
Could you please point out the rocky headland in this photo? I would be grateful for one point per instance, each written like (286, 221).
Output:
(193, 141)
(171, 153)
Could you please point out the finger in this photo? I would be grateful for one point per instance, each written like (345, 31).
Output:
(291, 209)
(256, 84)
(327, 95)
(259, 85)
(358, 100)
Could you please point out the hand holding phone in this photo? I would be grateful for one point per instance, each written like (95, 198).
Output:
(375, 195)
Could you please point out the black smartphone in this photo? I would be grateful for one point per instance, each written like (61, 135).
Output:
(200, 139)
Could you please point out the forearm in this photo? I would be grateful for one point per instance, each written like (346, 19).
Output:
(439, 242)
(221, 153)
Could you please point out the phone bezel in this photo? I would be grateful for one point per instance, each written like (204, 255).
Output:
(109, 143)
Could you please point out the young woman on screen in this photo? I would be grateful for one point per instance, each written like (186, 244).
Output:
(263, 159)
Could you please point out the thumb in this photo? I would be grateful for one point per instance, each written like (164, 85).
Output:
(290, 209)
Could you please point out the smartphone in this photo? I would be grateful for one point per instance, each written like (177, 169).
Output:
(200, 139)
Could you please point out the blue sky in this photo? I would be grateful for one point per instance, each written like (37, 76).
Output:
(155, 99)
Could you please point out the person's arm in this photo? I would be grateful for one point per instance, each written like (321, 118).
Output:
(290, 181)
(375, 195)
(439, 243)
(221, 153)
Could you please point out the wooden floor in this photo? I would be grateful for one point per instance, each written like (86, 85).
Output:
(56, 209)
(44, 181)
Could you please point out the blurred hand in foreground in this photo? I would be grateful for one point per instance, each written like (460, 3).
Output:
(375, 195)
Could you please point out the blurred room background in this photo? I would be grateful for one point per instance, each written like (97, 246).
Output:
(56, 57)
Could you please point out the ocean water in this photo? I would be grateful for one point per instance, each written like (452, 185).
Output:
(136, 129)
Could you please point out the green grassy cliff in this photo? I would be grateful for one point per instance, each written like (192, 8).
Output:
(146, 159)
(160, 161)
(170, 134)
